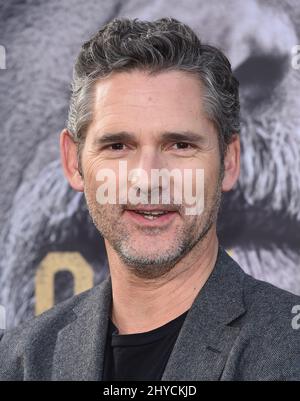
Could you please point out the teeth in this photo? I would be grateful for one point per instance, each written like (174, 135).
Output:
(151, 213)
(150, 217)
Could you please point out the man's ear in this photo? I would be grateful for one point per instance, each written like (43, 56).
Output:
(69, 159)
(231, 164)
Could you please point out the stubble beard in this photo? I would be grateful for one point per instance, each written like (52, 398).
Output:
(106, 218)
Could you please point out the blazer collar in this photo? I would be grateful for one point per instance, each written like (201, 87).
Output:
(202, 346)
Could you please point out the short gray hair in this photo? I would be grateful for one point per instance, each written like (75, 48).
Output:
(165, 44)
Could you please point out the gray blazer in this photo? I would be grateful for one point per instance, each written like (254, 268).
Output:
(238, 328)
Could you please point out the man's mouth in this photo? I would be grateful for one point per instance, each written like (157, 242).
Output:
(151, 216)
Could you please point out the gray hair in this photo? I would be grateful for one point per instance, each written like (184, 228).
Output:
(165, 44)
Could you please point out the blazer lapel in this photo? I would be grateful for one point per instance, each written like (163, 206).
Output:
(80, 346)
(205, 339)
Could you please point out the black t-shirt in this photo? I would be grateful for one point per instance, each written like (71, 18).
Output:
(140, 356)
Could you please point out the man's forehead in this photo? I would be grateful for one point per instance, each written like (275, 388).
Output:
(127, 103)
(121, 104)
(143, 85)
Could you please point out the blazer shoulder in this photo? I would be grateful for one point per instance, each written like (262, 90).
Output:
(40, 332)
(268, 344)
(258, 295)
(267, 297)
(270, 332)
(61, 312)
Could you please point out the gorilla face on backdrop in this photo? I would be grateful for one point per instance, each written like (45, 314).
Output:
(40, 213)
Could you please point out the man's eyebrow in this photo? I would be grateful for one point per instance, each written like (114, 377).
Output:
(113, 137)
(170, 136)
(184, 136)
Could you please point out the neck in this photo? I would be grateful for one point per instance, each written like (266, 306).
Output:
(141, 305)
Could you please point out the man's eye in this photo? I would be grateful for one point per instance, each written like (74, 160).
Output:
(117, 146)
(182, 145)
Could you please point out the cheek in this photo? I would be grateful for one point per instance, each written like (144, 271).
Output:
(211, 171)
(104, 184)
(90, 182)
(91, 166)
(90, 170)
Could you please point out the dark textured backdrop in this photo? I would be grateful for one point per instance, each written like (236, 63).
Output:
(40, 214)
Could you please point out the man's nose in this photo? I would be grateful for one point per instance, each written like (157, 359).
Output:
(148, 160)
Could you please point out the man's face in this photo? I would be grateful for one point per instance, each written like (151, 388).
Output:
(152, 111)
